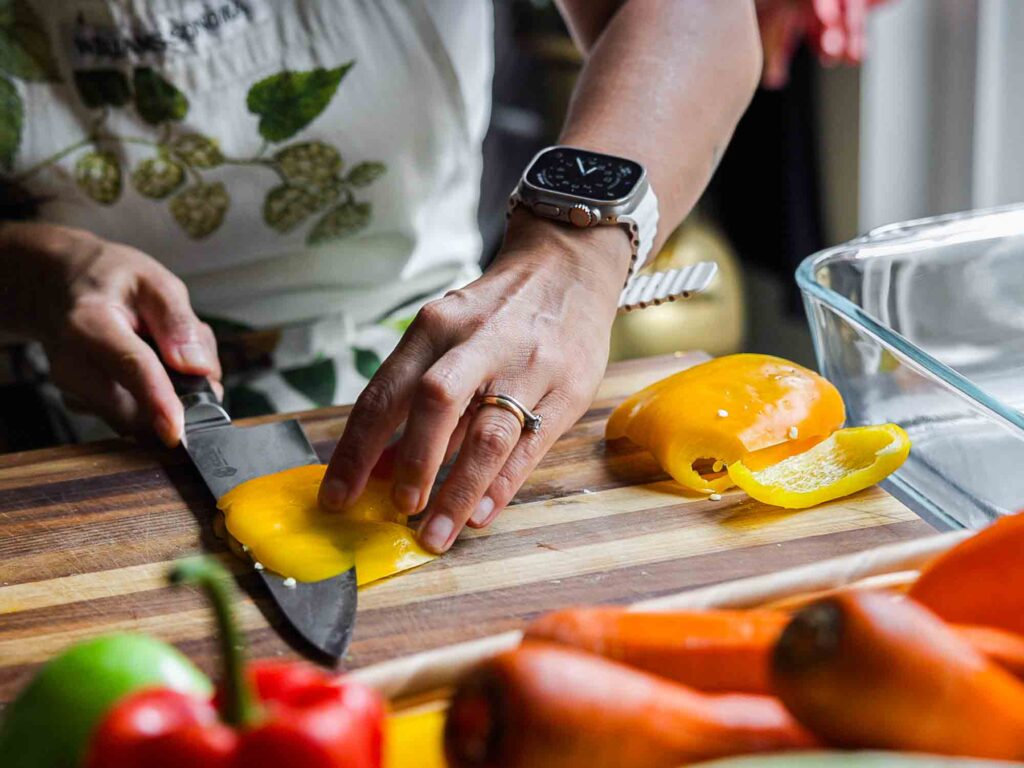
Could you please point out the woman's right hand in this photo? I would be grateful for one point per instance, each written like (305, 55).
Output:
(90, 302)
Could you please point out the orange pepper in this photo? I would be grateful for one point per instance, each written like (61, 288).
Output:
(719, 411)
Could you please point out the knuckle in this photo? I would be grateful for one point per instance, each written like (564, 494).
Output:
(376, 399)
(433, 316)
(438, 390)
(130, 366)
(496, 436)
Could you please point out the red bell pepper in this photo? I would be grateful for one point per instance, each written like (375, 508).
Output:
(274, 714)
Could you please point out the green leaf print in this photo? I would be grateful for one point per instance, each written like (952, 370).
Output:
(102, 87)
(309, 163)
(200, 209)
(25, 50)
(242, 402)
(98, 174)
(156, 100)
(12, 114)
(367, 362)
(365, 174)
(340, 221)
(157, 177)
(197, 150)
(316, 381)
(289, 101)
(285, 207)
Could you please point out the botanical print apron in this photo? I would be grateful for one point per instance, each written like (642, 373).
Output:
(310, 168)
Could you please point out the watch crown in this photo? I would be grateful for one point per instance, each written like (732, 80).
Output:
(582, 215)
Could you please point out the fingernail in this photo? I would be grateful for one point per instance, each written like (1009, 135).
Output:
(483, 511)
(435, 533)
(406, 498)
(334, 494)
(194, 356)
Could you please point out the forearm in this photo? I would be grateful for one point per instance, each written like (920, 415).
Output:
(665, 82)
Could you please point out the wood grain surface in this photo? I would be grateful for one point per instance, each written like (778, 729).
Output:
(87, 534)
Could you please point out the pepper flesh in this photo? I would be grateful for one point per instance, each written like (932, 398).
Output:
(278, 518)
(722, 410)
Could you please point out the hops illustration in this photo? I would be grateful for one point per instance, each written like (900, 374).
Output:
(309, 163)
(200, 209)
(365, 174)
(340, 221)
(98, 174)
(285, 207)
(198, 151)
(157, 177)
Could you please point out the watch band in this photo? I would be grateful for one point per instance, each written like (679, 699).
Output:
(641, 225)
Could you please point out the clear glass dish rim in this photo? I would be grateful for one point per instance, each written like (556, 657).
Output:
(894, 233)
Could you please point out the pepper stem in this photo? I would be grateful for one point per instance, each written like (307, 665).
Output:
(239, 708)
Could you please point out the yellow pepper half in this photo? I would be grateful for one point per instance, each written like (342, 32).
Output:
(850, 460)
(701, 420)
(278, 518)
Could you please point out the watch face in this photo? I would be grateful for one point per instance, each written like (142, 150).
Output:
(584, 174)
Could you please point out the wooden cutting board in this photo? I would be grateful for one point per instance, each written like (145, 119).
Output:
(87, 534)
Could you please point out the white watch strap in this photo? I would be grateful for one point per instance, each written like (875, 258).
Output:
(642, 223)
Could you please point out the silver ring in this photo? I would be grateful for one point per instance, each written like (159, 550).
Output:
(527, 418)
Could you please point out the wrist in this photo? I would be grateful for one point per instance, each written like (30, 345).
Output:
(598, 255)
(37, 263)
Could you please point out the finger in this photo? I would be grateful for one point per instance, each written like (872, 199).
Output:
(377, 412)
(441, 398)
(184, 342)
(491, 436)
(107, 337)
(84, 389)
(455, 441)
(526, 456)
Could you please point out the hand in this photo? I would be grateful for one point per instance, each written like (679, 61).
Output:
(536, 326)
(93, 303)
(834, 29)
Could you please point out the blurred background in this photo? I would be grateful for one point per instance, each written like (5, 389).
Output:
(916, 116)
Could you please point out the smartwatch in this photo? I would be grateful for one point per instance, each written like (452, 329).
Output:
(589, 189)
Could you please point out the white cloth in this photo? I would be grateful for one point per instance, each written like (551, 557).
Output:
(415, 99)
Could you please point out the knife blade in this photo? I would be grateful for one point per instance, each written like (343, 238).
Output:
(322, 612)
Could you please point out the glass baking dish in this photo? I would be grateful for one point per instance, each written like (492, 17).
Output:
(922, 324)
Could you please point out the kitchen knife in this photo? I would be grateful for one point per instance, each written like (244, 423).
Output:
(323, 612)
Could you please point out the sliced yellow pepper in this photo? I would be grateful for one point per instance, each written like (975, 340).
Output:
(848, 461)
(278, 519)
(700, 420)
(415, 739)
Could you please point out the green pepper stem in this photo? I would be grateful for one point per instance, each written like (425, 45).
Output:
(239, 708)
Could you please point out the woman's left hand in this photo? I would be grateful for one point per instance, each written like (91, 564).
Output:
(536, 326)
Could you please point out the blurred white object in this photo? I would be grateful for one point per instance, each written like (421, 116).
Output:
(942, 105)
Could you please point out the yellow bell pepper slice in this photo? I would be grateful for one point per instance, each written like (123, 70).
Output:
(415, 739)
(700, 420)
(848, 461)
(278, 519)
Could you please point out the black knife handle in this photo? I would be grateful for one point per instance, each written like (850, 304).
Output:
(187, 384)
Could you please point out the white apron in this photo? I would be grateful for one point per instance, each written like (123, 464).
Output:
(306, 166)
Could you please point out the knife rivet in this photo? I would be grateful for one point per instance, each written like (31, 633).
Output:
(289, 583)
(258, 565)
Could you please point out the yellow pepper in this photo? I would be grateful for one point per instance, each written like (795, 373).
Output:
(848, 461)
(415, 739)
(278, 519)
(701, 420)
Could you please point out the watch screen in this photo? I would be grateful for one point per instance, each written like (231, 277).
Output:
(586, 174)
